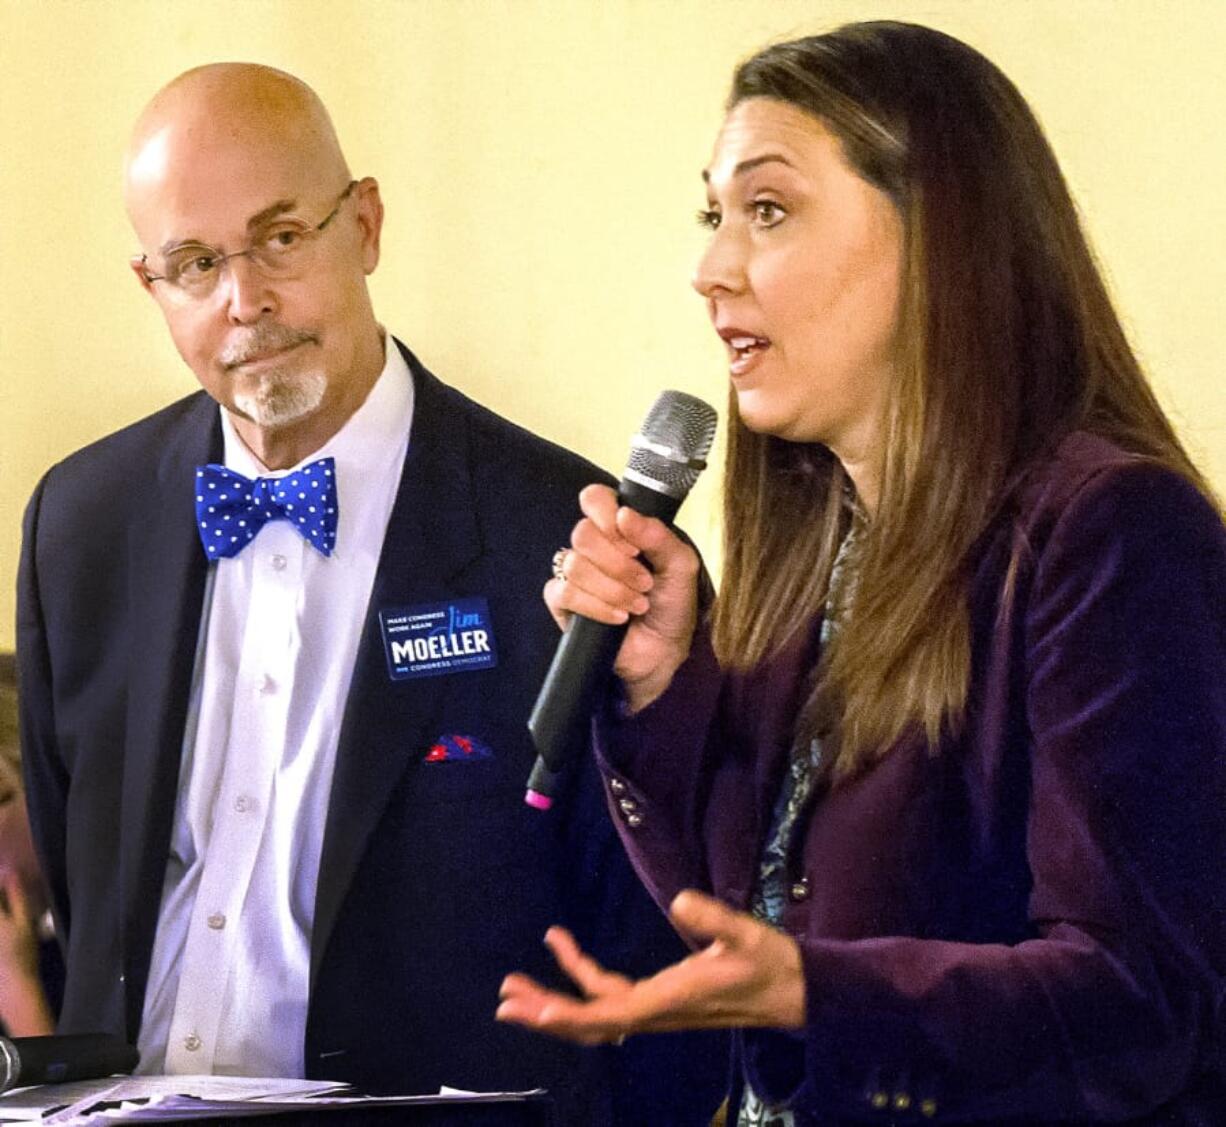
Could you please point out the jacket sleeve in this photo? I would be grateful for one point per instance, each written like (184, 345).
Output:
(654, 765)
(46, 779)
(1114, 1006)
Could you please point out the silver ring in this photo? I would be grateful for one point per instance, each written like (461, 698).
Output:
(559, 561)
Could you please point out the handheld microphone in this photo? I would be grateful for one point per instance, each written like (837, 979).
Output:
(666, 458)
(70, 1056)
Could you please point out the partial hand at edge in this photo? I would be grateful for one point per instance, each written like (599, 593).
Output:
(747, 974)
(23, 1006)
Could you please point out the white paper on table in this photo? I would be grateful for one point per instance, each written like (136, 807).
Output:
(59, 1103)
(181, 1098)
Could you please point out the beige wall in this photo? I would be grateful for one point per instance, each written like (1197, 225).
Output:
(539, 160)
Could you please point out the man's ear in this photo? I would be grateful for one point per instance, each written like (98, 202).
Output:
(141, 270)
(370, 221)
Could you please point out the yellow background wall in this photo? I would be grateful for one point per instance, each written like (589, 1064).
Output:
(539, 160)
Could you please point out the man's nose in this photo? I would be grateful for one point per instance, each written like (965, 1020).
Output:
(250, 296)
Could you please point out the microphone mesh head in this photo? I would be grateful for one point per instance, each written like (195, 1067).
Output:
(672, 447)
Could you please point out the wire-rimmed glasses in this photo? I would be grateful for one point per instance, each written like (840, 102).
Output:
(282, 248)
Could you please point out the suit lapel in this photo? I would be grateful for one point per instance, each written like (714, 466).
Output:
(167, 572)
(432, 535)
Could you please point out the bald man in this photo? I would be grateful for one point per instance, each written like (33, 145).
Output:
(278, 644)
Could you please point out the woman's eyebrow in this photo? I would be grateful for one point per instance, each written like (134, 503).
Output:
(750, 164)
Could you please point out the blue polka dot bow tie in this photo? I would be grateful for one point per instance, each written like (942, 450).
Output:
(231, 509)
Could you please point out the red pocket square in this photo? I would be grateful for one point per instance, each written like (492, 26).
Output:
(456, 749)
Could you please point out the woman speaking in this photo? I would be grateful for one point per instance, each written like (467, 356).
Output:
(937, 784)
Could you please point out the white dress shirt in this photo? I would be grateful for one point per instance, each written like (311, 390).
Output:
(228, 979)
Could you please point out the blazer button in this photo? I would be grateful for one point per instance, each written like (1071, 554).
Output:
(879, 1101)
(799, 890)
(628, 805)
(634, 820)
(617, 786)
(928, 1108)
(902, 1101)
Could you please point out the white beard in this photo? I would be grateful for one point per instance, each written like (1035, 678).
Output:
(280, 398)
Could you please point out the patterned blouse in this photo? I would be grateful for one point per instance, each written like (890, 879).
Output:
(771, 890)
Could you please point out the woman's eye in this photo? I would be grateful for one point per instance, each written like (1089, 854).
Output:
(708, 217)
(767, 213)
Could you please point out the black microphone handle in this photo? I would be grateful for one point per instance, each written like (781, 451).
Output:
(581, 666)
(650, 502)
(63, 1057)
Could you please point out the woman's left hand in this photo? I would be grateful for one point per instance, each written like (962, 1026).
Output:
(747, 974)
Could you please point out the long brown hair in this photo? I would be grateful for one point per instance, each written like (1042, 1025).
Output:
(1007, 342)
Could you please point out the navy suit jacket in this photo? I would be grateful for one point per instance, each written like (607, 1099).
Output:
(435, 878)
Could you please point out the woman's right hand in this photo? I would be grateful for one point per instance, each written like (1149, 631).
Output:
(606, 580)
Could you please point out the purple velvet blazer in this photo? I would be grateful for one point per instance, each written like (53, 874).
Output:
(1026, 924)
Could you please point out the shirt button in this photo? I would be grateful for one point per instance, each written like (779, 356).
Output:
(799, 890)
(634, 820)
(278, 562)
(268, 685)
(628, 805)
(242, 804)
(617, 786)
(217, 921)
(191, 1042)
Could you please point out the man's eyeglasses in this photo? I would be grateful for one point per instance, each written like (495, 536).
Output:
(285, 248)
